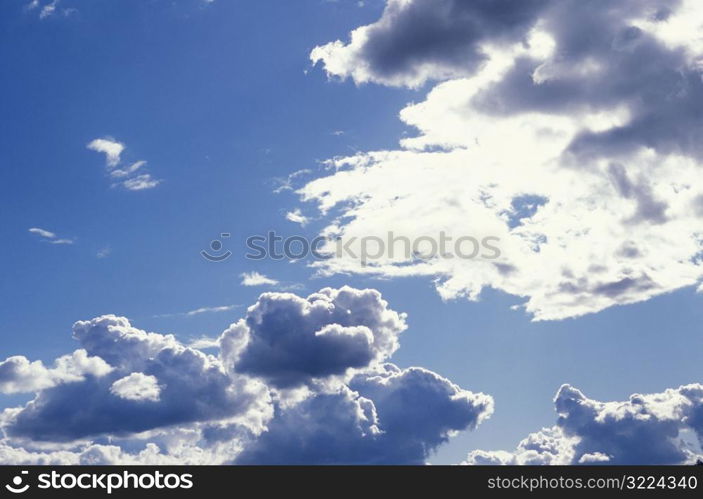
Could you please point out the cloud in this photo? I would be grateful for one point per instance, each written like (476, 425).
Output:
(124, 176)
(138, 387)
(387, 416)
(419, 40)
(210, 310)
(128, 170)
(646, 429)
(296, 216)
(48, 9)
(201, 311)
(317, 395)
(205, 342)
(601, 104)
(19, 375)
(257, 279)
(289, 340)
(110, 148)
(49, 236)
(193, 387)
(103, 252)
(141, 183)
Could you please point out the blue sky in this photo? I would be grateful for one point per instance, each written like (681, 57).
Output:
(222, 102)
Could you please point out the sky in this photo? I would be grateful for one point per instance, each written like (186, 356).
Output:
(140, 141)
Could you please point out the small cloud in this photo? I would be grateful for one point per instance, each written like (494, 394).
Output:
(110, 148)
(104, 252)
(257, 279)
(125, 175)
(127, 171)
(141, 183)
(297, 217)
(49, 236)
(48, 10)
(43, 233)
(200, 311)
(286, 183)
(338, 133)
(210, 310)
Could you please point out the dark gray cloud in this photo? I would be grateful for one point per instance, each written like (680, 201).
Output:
(289, 340)
(192, 387)
(197, 408)
(632, 432)
(418, 40)
(385, 416)
(643, 430)
(601, 61)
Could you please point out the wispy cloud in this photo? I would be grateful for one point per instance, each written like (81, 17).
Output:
(286, 183)
(141, 183)
(296, 216)
(210, 310)
(200, 311)
(104, 252)
(126, 176)
(48, 9)
(128, 170)
(257, 279)
(49, 236)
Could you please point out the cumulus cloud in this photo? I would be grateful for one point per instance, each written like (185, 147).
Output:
(289, 340)
(193, 387)
(646, 429)
(419, 40)
(298, 380)
(386, 416)
(19, 375)
(594, 197)
(257, 279)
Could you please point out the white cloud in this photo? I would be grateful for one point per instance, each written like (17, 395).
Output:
(49, 9)
(201, 311)
(296, 216)
(584, 166)
(141, 183)
(204, 342)
(137, 386)
(104, 252)
(110, 148)
(19, 375)
(43, 233)
(257, 279)
(128, 170)
(49, 236)
(125, 176)
(211, 310)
